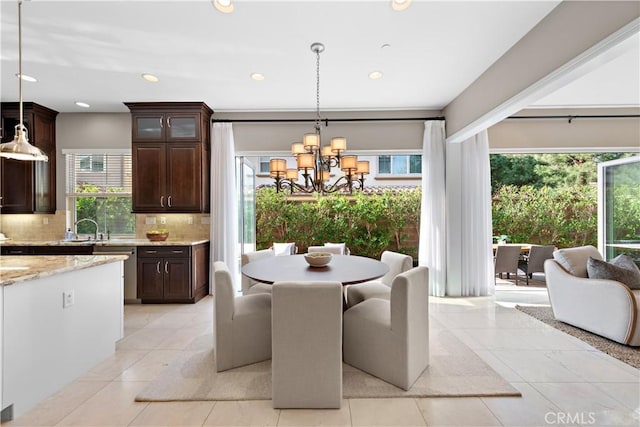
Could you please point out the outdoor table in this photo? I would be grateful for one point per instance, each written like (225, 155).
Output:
(346, 269)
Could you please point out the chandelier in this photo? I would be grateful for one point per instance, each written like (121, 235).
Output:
(315, 160)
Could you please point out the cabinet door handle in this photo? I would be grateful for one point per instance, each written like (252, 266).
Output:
(158, 267)
(162, 201)
(177, 251)
(169, 121)
(169, 201)
(166, 267)
(151, 252)
(161, 125)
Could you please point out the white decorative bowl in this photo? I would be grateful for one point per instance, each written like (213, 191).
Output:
(318, 259)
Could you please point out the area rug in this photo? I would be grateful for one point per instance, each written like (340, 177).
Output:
(626, 354)
(454, 371)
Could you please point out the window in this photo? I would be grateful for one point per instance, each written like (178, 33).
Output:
(264, 165)
(91, 162)
(400, 165)
(104, 197)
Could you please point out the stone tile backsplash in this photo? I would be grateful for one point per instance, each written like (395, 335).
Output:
(53, 227)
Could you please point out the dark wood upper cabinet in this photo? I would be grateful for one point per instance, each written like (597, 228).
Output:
(29, 187)
(171, 156)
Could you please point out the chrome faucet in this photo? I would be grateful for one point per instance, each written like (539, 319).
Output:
(95, 235)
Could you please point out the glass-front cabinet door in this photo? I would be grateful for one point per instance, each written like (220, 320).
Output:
(166, 127)
(619, 208)
(148, 127)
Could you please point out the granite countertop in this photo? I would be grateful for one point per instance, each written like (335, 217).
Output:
(18, 268)
(112, 242)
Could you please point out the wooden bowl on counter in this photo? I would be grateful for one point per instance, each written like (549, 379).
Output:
(157, 237)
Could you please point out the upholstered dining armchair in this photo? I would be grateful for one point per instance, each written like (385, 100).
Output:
(241, 326)
(397, 263)
(307, 345)
(506, 261)
(250, 286)
(534, 261)
(390, 338)
(337, 250)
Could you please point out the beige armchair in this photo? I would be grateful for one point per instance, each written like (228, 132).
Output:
(604, 307)
(250, 286)
(242, 325)
(307, 345)
(390, 338)
(397, 263)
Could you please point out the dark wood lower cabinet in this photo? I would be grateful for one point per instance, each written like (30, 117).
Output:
(173, 274)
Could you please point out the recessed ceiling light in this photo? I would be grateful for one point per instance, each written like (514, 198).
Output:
(257, 76)
(150, 78)
(224, 6)
(82, 104)
(400, 4)
(375, 75)
(26, 78)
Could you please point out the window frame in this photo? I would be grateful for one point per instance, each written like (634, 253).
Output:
(407, 162)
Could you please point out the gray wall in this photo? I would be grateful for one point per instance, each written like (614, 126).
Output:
(88, 131)
(113, 130)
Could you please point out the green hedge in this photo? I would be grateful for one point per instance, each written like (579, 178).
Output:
(370, 224)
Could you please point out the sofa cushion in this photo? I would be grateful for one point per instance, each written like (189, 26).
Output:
(621, 269)
(574, 260)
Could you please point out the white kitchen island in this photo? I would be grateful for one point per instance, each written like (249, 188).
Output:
(61, 315)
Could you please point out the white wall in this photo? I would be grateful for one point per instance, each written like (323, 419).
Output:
(559, 49)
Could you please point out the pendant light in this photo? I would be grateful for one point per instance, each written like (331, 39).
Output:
(19, 148)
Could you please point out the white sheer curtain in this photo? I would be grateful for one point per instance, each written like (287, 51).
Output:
(432, 250)
(224, 206)
(476, 228)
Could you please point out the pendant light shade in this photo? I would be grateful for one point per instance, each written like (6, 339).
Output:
(19, 148)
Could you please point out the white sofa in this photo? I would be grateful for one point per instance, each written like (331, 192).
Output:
(604, 307)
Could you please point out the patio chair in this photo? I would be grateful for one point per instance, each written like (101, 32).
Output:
(506, 261)
(534, 261)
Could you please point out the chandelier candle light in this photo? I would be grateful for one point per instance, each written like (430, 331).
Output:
(315, 160)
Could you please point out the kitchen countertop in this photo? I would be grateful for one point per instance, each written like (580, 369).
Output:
(15, 269)
(112, 242)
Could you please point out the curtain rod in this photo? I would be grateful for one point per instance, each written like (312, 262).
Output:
(579, 116)
(326, 121)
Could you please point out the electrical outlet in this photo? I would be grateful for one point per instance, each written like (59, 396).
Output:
(150, 220)
(68, 299)
(45, 220)
(163, 220)
(190, 220)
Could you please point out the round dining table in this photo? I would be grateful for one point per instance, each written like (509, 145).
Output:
(346, 269)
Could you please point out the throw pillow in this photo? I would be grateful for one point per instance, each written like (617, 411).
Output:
(574, 260)
(621, 269)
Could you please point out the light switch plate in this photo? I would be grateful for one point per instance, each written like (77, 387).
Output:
(68, 299)
(150, 220)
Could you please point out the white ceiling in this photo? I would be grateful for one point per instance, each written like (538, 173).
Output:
(95, 52)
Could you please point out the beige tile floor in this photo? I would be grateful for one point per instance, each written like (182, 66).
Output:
(563, 381)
